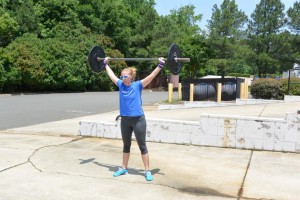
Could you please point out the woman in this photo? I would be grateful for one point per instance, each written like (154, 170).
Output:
(131, 112)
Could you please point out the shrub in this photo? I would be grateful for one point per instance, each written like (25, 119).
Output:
(294, 86)
(266, 89)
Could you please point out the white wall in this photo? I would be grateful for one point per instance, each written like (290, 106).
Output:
(214, 130)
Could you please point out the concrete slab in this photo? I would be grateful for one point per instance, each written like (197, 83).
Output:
(48, 161)
(16, 149)
(11, 157)
(273, 175)
(83, 168)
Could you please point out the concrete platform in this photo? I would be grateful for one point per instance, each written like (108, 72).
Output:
(49, 161)
(51, 167)
(242, 127)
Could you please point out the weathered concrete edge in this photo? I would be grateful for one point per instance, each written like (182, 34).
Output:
(203, 104)
(240, 132)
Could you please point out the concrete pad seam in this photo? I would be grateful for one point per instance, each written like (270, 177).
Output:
(262, 110)
(240, 192)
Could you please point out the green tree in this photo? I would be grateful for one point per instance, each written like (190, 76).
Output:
(8, 29)
(67, 56)
(266, 22)
(180, 27)
(3, 3)
(2, 71)
(22, 64)
(186, 21)
(226, 31)
(195, 48)
(295, 48)
(285, 48)
(108, 17)
(90, 14)
(26, 18)
(52, 12)
(242, 54)
(163, 36)
(141, 26)
(51, 64)
(294, 23)
(294, 17)
(24, 14)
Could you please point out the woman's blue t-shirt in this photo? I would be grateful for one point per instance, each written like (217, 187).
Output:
(130, 99)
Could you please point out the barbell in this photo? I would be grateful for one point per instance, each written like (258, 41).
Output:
(174, 59)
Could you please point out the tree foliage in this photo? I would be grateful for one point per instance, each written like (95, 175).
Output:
(267, 21)
(294, 17)
(226, 34)
(8, 29)
(44, 43)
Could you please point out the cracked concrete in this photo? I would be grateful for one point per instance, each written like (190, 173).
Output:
(68, 168)
(47, 161)
(61, 168)
(20, 149)
(48, 146)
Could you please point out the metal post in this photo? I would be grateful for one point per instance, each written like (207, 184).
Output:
(170, 91)
(191, 92)
(179, 91)
(242, 91)
(219, 92)
(289, 82)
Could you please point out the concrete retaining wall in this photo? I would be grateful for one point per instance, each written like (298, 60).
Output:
(214, 130)
(291, 98)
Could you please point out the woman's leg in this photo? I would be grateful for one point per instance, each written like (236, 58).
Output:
(125, 160)
(145, 158)
(126, 131)
(140, 135)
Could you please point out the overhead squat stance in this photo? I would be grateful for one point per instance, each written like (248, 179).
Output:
(131, 112)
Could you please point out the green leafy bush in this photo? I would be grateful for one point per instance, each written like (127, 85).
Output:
(266, 89)
(294, 86)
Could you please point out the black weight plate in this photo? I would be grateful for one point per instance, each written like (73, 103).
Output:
(96, 52)
(174, 66)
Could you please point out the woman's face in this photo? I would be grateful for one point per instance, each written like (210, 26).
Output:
(126, 77)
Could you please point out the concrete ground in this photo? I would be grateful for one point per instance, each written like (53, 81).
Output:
(49, 161)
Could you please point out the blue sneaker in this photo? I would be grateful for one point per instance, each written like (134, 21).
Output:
(120, 172)
(148, 176)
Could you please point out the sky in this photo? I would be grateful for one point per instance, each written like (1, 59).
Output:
(204, 7)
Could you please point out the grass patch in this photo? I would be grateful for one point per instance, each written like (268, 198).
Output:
(174, 101)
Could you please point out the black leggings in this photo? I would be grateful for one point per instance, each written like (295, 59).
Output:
(138, 126)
